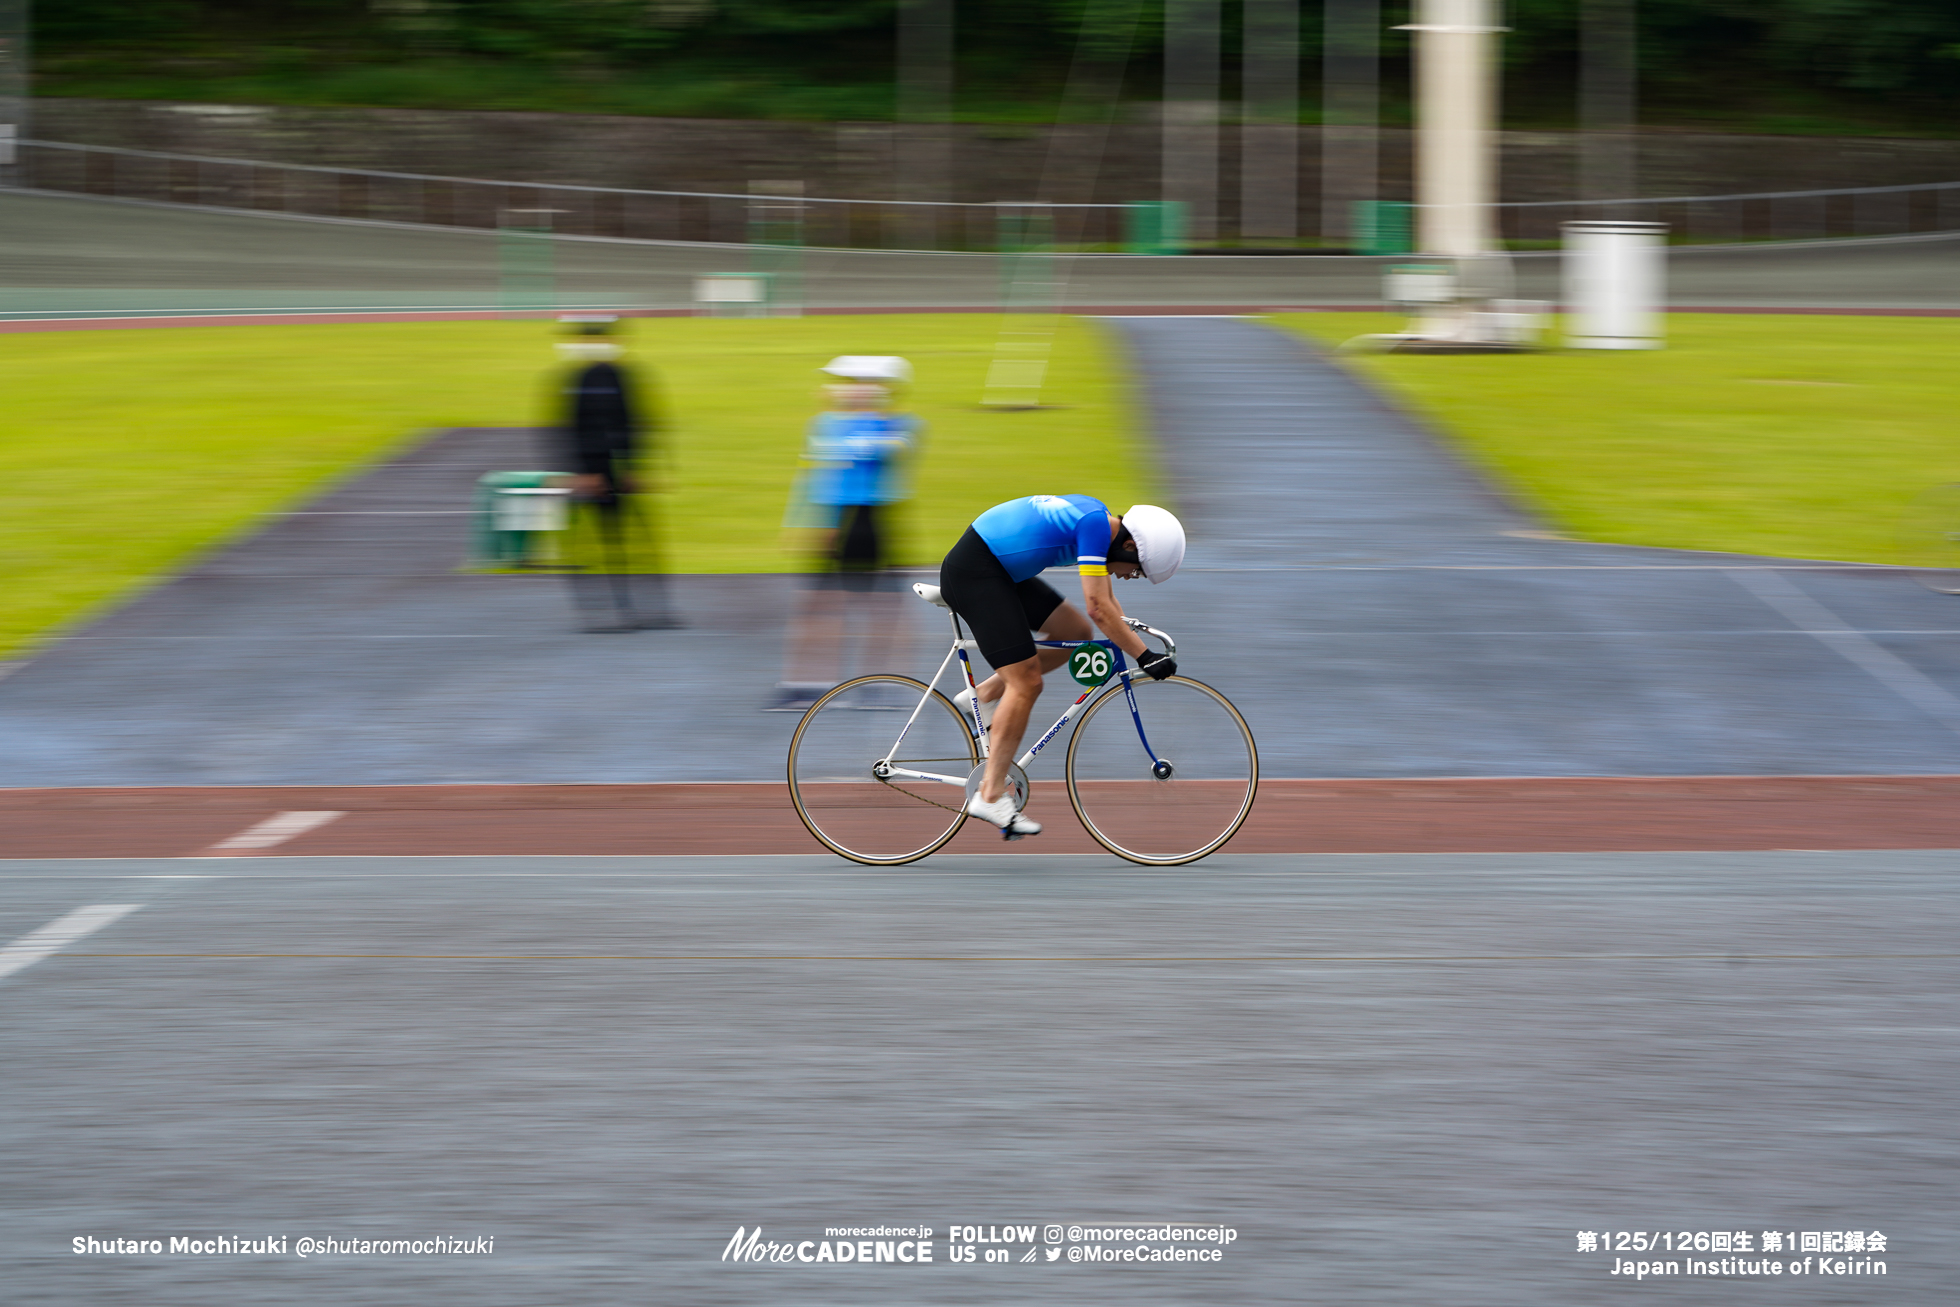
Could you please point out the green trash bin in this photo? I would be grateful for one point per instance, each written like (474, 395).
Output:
(517, 514)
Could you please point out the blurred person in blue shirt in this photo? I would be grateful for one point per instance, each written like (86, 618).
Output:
(857, 458)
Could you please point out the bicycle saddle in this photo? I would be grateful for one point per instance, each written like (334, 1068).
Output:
(930, 593)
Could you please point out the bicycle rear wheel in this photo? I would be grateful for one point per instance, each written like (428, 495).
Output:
(833, 770)
(1162, 815)
(1929, 539)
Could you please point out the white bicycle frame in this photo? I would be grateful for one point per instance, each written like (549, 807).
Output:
(963, 648)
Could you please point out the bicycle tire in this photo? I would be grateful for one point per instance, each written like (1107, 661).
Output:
(1174, 820)
(1929, 539)
(851, 811)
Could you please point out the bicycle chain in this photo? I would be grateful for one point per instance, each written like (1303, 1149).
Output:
(886, 780)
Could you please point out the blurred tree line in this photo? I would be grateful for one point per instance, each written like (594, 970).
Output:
(1904, 54)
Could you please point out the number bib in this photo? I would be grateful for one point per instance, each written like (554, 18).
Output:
(1091, 665)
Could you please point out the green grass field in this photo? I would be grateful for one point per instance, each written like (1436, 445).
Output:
(127, 453)
(1798, 436)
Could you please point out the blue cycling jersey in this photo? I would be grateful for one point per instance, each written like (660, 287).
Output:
(1043, 531)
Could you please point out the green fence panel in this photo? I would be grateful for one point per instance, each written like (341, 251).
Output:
(1384, 227)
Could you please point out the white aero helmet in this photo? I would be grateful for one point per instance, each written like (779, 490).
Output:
(869, 367)
(1160, 541)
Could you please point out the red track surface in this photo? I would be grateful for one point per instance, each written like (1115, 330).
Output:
(1292, 816)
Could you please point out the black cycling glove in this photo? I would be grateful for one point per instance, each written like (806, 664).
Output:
(1157, 665)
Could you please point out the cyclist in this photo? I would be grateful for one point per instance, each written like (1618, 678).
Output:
(992, 579)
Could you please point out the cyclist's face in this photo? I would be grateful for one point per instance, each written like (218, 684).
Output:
(1125, 571)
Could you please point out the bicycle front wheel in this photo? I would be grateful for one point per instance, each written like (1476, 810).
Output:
(1168, 783)
(1929, 539)
(872, 787)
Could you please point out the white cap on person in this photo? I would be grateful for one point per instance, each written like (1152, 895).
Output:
(869, 367)
(1160, 541)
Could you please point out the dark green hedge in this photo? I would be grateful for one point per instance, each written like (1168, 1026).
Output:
(1878, 48)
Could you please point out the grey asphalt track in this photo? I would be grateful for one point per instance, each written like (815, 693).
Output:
(1369, 604)
(73, 255)
(1399, 1079)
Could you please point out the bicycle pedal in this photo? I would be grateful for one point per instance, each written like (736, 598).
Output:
(1019, 830)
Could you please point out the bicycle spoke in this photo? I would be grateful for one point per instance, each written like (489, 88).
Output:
(1209, 766)
(842, 799)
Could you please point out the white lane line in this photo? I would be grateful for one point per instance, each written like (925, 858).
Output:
(59, 934)
(1885, 667)
(274, 830)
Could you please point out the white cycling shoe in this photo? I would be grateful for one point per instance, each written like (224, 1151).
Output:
(1013, 826)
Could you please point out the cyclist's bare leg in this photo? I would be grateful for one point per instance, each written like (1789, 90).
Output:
(1022, 682)
(1065, 623)
(1016, 687)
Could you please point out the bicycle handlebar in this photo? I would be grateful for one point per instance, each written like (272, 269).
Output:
(1170, 645)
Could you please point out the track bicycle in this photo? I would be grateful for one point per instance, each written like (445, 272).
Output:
(1159, 772)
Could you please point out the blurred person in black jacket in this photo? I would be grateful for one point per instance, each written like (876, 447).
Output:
(600, 438)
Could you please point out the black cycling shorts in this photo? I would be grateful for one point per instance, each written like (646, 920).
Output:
(1002, 613)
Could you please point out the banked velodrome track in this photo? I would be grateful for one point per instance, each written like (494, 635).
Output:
(1410, 1068)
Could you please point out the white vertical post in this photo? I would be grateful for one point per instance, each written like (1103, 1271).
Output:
(1615, 275)
(1456, 102)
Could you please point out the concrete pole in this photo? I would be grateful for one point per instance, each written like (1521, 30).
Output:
(15, 30)
(1456, 108)
(1350, 110)
(1608, 93)
(1191, 111)
(1269, 140)
(924, 153)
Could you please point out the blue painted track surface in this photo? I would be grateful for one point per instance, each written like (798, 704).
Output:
(1371, 605)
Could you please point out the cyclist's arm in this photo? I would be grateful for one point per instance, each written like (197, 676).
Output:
(1106, 613)
(1092, 536)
